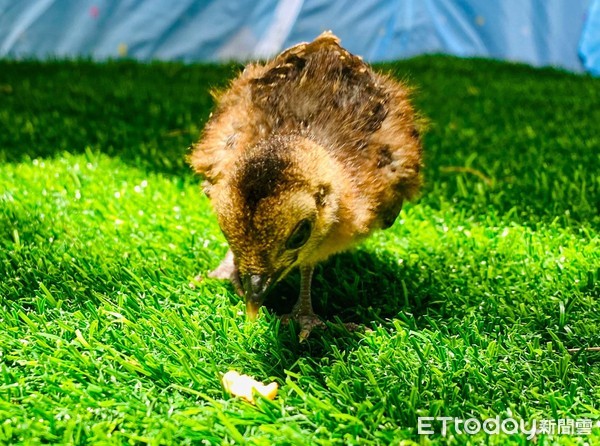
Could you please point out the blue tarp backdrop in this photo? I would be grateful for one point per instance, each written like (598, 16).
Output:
(563, 33)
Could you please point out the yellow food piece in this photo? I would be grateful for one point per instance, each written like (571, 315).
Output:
(243, 385)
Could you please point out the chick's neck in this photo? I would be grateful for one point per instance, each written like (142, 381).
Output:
(351, 216)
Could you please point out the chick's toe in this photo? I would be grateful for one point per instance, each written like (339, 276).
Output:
(227, 270)
(307, 321)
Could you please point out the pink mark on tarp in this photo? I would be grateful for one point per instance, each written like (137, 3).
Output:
(94, 12)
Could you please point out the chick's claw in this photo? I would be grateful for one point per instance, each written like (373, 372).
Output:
(307, 322)
(310, 321)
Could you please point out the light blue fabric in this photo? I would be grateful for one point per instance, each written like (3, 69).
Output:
(536, 32)
(590, 40)
(550, 32)
(158, 29)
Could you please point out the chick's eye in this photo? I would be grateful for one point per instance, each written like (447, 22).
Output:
(300, 235)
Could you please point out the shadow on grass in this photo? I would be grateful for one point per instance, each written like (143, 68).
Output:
(357, 286)
(362, 287)
(147, 115)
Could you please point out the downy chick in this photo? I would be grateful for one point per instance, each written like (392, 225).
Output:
(303, 157)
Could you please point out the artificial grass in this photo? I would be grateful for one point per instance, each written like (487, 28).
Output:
(473, 297)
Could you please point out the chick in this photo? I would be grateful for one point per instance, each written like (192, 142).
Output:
(303, 157)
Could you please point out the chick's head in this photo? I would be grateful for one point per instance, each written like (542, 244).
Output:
(276, 207)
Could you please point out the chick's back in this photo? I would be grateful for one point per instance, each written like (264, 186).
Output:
(320, 91)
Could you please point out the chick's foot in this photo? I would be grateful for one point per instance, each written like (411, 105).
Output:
(303, 310)
(307, 321)
(225, 271)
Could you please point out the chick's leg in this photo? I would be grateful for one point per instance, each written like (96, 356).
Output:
(227, 270)
(303, 310)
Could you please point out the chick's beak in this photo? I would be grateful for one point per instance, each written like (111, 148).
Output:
(255, 288)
